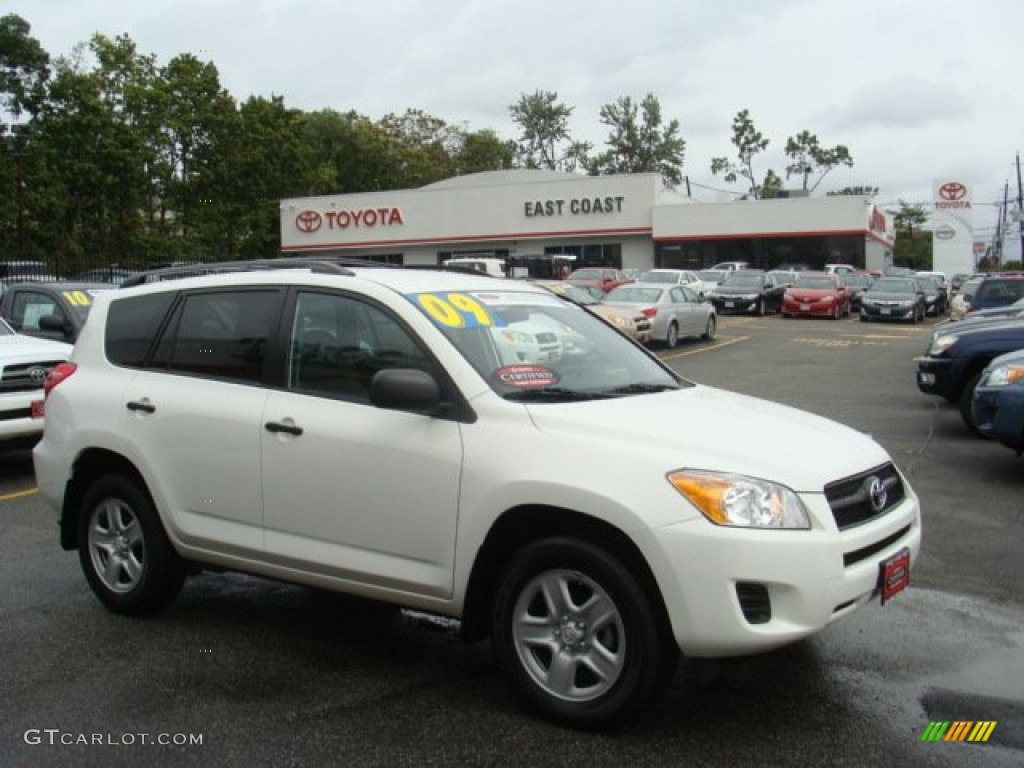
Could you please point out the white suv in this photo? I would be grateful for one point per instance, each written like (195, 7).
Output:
(375, 431)
(25, 362)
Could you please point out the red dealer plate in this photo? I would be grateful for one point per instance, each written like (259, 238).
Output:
(894, 574)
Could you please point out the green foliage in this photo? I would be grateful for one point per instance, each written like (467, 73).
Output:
(749, 142)
(809, 157)
(545, 141)
(640, 145)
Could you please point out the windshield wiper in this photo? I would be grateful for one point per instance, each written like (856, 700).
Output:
(641, 389)
(554, 394)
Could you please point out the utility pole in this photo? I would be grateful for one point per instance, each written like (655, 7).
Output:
(1020, 210)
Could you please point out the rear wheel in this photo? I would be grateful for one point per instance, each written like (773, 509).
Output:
(672, 335)
(709, 329)
(577, 635)
(123, 549)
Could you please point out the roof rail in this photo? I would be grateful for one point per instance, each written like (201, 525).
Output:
(328, 265)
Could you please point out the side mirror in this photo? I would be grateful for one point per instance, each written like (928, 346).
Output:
(405, 389)
(53, 324)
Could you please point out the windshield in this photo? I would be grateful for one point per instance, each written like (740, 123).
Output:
(634, 294)
(819, 282)
(893, 285)
(5, 329)
(743, 281)
(586, 274)
(576, 293)
(537, 347)
(856, 281)
(711, 275)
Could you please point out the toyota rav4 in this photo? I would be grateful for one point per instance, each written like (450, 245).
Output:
(411, 436)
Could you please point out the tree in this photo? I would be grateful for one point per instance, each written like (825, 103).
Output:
(907, 215)
(483, 151)
(911, 249)
(810, 157)
(545, 141)
(24, 68)
(640, 146)
(855, 191)
(748, 142)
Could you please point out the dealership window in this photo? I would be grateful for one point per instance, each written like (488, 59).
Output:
(591, 255)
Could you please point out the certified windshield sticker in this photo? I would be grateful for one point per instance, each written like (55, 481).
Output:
(526, 376)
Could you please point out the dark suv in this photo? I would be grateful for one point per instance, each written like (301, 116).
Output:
(997, 291)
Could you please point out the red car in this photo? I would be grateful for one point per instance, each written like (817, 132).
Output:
(817, 294)
(604, 278)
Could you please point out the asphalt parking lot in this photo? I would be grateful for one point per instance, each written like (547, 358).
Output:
(244, 671)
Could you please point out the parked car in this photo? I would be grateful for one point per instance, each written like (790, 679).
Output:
(957, 356)
(675, 311)
(634, 324)
(942, 280)
(893, 298)
(604, 278)
(12, 272)
(711, 278)
(55, 311)
(839, 269)
(817, 294)
(488, 266)
(111, 275)
(731, 266)
(935, 300)
(785, 277)
(747, 291)
(995, 291)
(984, 315)
(674, 277)
(998, 405)
(357, 429)
(25, 362)
(856, 283)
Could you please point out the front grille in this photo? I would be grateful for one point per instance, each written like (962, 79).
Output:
(852, 558)
(754, 602)
(26, 377)
(867, 496)
(547, 338)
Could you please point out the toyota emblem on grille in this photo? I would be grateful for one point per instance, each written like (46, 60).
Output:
(308, 221)
(877, 493)
(37, 375)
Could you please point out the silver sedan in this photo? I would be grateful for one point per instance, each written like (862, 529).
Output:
(675, 310)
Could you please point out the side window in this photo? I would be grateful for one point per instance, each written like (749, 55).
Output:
(689, 295)
(338, 343)
(29, 306)
(223, 335)
(131, 326)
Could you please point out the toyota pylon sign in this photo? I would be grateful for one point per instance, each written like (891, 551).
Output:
(952, 227)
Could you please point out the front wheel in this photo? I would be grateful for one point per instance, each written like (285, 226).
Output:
(577, 635)
(964, 402)
(123, 549)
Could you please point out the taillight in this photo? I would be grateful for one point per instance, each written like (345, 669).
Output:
(61, 372)
(649, 312)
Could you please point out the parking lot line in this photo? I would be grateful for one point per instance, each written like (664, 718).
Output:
(708, 348)
(18, 494)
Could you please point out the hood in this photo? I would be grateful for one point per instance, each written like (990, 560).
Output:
(888, 296)
(19, 348)
(736, 290)
(707, 428)
(814, 293)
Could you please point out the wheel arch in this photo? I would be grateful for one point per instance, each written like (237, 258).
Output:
(91, 465)
(522, 525)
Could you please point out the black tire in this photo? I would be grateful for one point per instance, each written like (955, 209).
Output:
(123, 548)
(710, 328)
(603, 674)
(672, 335)
(964, 403)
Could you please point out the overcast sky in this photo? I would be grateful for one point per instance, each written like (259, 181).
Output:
(917, 90)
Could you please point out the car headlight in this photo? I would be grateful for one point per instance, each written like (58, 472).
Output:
(827, 299)
(1005, 375)
(906, 304)
(740, 501)
(941, 343)
(749, 296)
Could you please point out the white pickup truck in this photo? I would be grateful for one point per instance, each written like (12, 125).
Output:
(25, 362)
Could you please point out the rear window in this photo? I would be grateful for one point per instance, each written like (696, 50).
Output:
(1002, 291)
(131, 326)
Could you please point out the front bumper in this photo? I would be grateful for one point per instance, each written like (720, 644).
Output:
(999, 413)
(935, 376)
(808, 578)
(886, 312)
(735, 304)
(809, 308)
(16, 422)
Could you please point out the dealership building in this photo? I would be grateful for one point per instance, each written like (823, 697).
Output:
(630, 221)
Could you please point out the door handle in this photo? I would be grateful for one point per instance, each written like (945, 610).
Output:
(277, 427)
(141, 405)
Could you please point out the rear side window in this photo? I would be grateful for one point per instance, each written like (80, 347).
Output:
(222, 335)
(132, 325)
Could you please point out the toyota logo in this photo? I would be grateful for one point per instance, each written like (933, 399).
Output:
(37, 376)
(877, 494)
(953, 190)
(945, 232)
(308, 221)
